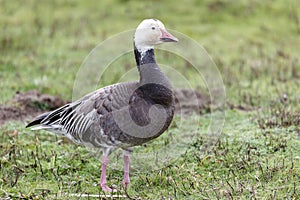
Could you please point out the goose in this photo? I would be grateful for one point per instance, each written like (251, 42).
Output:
(122, 115)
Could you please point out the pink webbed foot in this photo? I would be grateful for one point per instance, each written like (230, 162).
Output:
(125, 182)
(105, 188)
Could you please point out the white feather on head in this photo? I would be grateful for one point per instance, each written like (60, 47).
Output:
(150, 32)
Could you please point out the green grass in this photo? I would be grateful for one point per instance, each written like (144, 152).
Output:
(245, 162)
(255, 45)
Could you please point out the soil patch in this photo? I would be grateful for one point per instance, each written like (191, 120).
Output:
(28, 105)
(191, 101)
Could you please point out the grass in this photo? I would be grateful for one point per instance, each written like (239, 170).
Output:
(255, 45)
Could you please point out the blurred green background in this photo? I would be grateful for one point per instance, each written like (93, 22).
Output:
(255, 44)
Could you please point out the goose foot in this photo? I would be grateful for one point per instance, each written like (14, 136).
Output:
(106, 189)
(125, 182)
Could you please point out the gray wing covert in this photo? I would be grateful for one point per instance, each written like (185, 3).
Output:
(80, 120)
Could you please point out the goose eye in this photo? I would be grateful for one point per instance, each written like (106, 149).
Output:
(153, 28)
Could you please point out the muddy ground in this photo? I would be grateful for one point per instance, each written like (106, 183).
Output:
(26, 105)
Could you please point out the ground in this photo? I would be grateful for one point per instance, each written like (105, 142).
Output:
(255, 45)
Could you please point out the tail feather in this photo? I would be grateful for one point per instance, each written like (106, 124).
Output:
(38, 120)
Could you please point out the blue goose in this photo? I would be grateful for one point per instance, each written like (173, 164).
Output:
(122, 115)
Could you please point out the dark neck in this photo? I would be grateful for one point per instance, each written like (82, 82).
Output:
(148, 68)
(146, 57)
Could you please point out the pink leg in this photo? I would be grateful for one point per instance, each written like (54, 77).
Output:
(126, 179)
(102, 182)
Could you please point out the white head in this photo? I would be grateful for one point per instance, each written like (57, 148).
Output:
(151, 32)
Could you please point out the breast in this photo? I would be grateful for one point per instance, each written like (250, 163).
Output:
(133, 124)
(158, 98)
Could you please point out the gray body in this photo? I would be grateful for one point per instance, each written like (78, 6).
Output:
(117, 115)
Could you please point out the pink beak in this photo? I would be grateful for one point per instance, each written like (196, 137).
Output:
(167, 37)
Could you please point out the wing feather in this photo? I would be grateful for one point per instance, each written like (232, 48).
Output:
(74, 119)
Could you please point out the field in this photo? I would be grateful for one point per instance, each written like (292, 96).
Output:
(255, 46)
